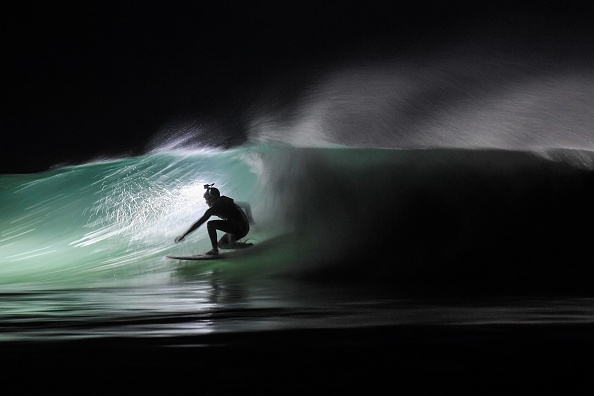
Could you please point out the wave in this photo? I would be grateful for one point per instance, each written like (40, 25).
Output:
(443, 220)
(106, 220)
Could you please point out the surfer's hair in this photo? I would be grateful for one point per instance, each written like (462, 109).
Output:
(211, 192)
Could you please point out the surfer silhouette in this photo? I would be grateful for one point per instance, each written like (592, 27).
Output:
(235, 222)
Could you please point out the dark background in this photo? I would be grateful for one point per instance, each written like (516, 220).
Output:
(89, 79)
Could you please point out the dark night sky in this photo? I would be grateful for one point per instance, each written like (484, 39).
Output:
(85, 79)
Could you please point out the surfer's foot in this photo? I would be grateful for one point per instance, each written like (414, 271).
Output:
(213, 252)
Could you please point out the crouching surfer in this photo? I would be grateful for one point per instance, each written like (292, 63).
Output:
(235, 222)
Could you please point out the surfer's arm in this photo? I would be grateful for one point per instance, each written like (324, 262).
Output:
(194, 226)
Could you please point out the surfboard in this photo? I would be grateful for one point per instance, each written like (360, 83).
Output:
(198, 257)
(238, 246)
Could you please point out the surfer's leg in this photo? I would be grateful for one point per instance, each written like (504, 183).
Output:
(236, 237)
(212, 234)
(228, 240)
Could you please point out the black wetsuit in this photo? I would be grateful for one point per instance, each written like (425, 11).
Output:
(234, 222)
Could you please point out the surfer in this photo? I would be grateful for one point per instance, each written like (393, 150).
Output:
(235, 221)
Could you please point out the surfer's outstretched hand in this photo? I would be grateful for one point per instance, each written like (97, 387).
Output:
(179, 238)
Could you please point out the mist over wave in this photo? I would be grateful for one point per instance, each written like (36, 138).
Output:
(471, 174)
(461, 172)
(465, 96)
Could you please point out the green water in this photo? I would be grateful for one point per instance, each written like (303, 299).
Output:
(82, 248)
(111, 220)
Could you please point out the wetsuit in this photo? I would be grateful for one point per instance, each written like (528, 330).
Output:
(234, 222)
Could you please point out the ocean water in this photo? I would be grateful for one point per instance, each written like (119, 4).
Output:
(412, 223)
(455, 245)
(366, 216)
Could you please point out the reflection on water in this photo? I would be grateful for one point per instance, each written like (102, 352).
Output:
(212, 304)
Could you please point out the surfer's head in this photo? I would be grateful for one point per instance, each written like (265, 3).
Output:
(211, 194)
